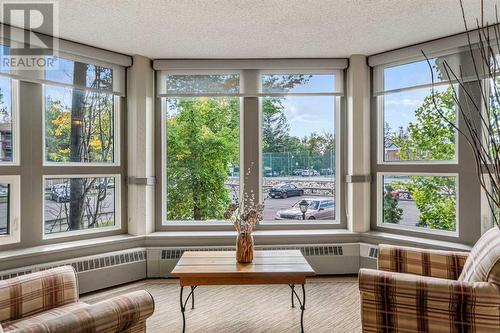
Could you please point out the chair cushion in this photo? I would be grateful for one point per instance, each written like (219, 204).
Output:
(25, 323)
(483, 263)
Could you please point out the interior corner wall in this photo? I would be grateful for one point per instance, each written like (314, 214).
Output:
(140, 142)
(358, 143)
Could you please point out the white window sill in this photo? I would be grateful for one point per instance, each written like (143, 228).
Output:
(65, 250)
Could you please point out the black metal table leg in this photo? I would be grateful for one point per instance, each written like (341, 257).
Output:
(184, 303)
(192, 297)
(302, 303)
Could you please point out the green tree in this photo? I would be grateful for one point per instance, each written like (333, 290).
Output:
(275, 127)
(392, 213)
(431, 138)
(435, 198)
(202, 141)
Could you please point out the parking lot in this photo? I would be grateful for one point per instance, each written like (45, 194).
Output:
(409, 218)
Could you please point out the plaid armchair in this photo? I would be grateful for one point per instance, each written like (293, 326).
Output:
(418, 290)
(47, 301)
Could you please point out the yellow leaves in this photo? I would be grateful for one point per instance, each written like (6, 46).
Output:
(95, 143)
(63, 123)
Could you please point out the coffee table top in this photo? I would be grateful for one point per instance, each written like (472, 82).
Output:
(221, 268)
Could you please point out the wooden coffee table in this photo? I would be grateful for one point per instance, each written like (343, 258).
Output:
(209, 268)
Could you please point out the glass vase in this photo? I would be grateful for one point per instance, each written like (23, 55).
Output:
(244, 248)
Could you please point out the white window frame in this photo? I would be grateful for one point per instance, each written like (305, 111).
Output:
(117, 201)
(163, 109)
(336, 94)
(14, 235)
(116, 134)
(380, 109)
(380, 204)
(14, 91)
(338, 202)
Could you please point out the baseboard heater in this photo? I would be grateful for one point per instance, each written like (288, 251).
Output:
(323, 258)
(114, 268)
(97, 271)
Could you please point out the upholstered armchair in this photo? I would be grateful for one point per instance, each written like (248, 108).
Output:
(417, 290)
(47, 301)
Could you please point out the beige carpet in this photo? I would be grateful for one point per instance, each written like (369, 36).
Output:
(332, 305)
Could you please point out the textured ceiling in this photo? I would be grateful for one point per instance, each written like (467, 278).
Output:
(260, 29)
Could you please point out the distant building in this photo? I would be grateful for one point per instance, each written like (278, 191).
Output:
(5, 142)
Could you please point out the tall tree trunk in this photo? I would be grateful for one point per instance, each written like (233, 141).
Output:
(77, 191)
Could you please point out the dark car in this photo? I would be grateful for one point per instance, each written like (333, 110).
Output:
(285, 190)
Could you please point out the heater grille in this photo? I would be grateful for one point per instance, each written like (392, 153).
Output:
(307, 251)
(85, 264)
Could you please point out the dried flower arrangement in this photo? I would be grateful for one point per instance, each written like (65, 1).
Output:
(245, 214)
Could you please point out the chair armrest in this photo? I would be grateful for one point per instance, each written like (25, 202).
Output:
(41, 291)
(434, 263)
(117, 314)
(412, 303)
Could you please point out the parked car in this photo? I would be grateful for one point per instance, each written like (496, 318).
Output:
(310, 173)
(319, 209)
(60, 193)
(325, 172)
(4, 190)
(399, 194)
(297, 172)
(285, 190)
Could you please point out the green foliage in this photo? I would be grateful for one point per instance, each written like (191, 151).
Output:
(392, 213)
(202, 141)
(435, 198)
(431, 138)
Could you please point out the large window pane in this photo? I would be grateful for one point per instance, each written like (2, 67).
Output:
(80, 74)
(427, 202)
(79, 125)
(199, 84)
(298, 140)
(72, 204)
(444, 69)
(493, 117)
(4, 209)
(413, 128)
(202, 140)
(6, 129)
(298, 83)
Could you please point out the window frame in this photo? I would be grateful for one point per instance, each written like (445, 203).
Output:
(16, 145)
(463, 166)
(117, 208)
(162, 224)
(14, 235)
(380, 111)
(116, 134)
(380, 204)
(340, 219)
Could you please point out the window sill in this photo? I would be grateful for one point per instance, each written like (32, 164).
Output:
(378, 237)
(210, 226)
(48, 249)
(66, 250)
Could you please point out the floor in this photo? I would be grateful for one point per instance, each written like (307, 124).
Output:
(332, 305)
